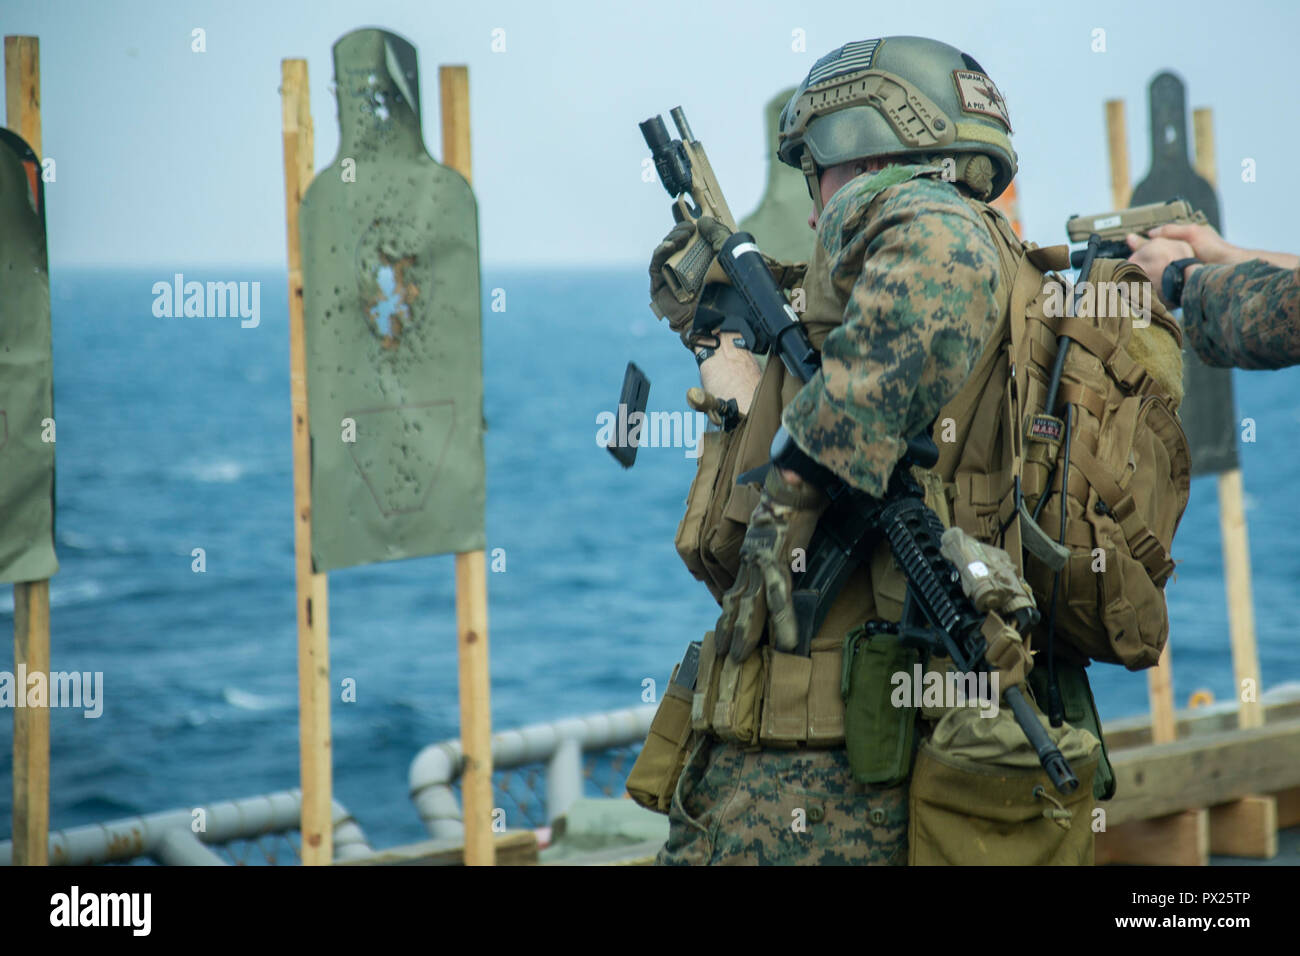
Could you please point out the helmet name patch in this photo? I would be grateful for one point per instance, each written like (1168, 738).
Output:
(978, 94)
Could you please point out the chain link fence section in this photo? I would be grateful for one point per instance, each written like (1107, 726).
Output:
(521, 791)
(272, 849)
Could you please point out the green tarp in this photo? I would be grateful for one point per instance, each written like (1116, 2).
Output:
(392, 312)
(26, 372)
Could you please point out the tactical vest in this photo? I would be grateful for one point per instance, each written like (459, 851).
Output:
(1127, 488)
(777, 699)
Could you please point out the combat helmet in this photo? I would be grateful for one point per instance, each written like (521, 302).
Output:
(899, 95)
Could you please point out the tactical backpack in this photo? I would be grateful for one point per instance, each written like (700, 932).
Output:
(1117, 456)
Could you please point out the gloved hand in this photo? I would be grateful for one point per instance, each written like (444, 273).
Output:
(989, 578)
(1006, 651)
(788, 275)
(666, 304)
(783, 520)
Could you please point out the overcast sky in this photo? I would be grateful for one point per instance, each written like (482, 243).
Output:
(169, 157)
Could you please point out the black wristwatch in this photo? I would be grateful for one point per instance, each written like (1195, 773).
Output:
(1172, 281)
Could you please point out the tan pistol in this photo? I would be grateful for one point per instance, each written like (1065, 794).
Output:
(1112, 227)
(685, 171)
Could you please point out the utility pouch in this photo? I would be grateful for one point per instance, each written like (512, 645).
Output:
(1080, 711)
(654, 775)
(706, 685)
(739, 698)
(878, 736)
(965, 813)
(980, 796)
(785, 708)
(713, 446)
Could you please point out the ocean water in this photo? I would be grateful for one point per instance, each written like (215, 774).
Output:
(174, 434)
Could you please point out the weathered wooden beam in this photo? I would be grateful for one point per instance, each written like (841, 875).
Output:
(511, 849)
(1160, 779)
(31, 809)
(315, 741)
(1288, 807)
(1245, 828)
(1136, 731)
(1181, 839)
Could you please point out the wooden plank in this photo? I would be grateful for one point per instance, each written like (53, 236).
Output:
(1128, 732)
(1203, 145)
(1288, 807)
(1161, 779)
(1181, 839)
(453, 88)
(471, 579)
(1232, 512)
(1245, 828)
(31, 809)
(23, 89)
(1160, 691)
(1117, 143)
(475, 708)
(314, 738)
(31, 812)
(516, 848)
(1241, 603)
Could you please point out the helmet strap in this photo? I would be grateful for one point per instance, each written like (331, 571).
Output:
(809, 167)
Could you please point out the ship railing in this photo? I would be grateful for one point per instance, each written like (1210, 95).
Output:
(217, 834)
(562, 760)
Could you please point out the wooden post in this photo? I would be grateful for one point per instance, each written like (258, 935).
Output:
(471, 576)
(1117, 138)
(31, 815)
(1160, 680)
(23, 89)
(315, 749)
(31, 811)
(453, 87)
(1232, 515)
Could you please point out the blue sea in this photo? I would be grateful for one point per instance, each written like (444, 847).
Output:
(174, 434)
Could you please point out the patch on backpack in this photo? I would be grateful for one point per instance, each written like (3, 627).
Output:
(1045, 428)
(979, 94)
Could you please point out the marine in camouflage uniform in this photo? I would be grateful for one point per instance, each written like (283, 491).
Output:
(916, 275)
(1243, 316)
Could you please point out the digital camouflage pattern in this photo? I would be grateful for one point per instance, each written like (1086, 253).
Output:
(782, 808)
(1244, 316)
(917, 273)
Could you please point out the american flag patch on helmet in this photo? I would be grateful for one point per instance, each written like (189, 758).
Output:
(847, 59)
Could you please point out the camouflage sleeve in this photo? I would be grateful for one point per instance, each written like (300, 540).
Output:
(921, 273)
(1247, 315)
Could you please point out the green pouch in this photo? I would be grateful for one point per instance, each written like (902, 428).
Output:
(1080, 711)
(878, 735)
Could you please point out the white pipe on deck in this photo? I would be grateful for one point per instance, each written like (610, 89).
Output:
(170, 837)
(559, 744)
